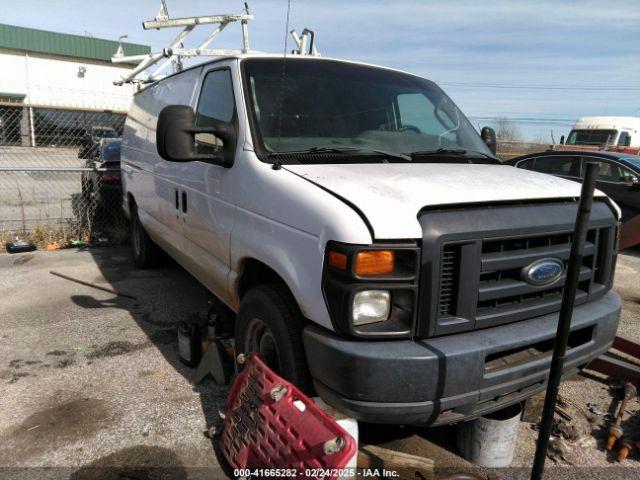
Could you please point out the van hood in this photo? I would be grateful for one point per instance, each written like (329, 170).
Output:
(390, 195)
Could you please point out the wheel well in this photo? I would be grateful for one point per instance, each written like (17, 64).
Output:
(256, 273)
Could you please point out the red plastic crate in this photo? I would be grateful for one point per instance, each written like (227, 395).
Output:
(261, 431)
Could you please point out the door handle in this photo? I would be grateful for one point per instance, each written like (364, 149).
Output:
(177, 200)
(184, 202)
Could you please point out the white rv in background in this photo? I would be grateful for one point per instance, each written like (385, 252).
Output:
(620, 132)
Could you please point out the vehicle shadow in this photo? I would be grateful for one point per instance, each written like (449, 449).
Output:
(157, 300)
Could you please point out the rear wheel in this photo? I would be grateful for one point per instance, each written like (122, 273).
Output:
(145, 252)
(269, 323)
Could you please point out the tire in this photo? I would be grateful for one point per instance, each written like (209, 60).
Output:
(269, 322)
(145, 252)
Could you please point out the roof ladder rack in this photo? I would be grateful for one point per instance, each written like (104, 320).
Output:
(301, 43)
(175, 53)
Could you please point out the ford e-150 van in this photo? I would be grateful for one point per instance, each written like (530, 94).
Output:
(373, 248)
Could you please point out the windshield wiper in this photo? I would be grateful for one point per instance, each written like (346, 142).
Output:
(469, 155)
(438, 151)
(351, 151)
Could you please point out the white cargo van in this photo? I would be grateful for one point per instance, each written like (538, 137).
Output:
(374, 248)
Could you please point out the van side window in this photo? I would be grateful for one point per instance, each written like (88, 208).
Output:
(217, 105)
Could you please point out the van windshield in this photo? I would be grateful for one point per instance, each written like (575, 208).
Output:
(297, 105)
(591, 137)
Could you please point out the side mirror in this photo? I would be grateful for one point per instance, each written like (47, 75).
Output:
(175, 137)
(488, 136)
(562, 140)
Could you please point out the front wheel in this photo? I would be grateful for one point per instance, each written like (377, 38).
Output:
(269, 323)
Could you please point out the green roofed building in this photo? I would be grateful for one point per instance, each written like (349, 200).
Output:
(51, 70)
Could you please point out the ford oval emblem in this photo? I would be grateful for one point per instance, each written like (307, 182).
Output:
(543, 272)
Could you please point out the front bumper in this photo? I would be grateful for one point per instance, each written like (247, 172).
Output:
(445, 379)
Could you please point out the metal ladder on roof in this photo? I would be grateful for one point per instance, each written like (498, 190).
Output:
(175, 54)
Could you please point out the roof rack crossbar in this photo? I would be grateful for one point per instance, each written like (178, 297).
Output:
(175, 52)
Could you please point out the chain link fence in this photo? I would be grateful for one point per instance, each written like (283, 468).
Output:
(55, 187)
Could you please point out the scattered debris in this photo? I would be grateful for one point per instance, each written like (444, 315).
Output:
(404, 465)
(615, 430)
(80, 244)
(593, 408)
(88, 284)
(146, 430)
(559, 450)
(53, 246)
(561, 412)
(246, 444)
(101, 241)
(570, 423)
(19, 246)
(626, 446)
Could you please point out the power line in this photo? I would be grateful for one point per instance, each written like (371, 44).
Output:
(531, 121)
(613, 88)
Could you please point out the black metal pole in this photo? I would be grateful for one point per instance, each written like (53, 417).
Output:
(564, 321)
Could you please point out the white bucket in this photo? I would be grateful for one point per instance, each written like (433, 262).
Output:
(490, 441)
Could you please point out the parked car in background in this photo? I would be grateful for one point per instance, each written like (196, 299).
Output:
(92, 138)
(102, 186)
(618, 177)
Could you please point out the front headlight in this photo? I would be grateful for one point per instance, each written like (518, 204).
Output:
(372, 290)
(371, 306)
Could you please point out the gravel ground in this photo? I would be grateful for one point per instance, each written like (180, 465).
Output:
(91, 379)
(91, 386)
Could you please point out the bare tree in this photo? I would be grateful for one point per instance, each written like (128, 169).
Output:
(506, 130)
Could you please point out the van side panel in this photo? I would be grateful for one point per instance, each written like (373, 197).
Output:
(285, 222)
(209, 191)
(152, 181)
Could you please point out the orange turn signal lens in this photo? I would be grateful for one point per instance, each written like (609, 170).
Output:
(374, 262)
(338, 260)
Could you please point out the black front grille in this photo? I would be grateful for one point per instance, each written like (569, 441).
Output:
(502, 292)
(475, 259)
(449, 268)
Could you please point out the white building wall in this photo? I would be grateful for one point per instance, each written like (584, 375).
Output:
(50, 80)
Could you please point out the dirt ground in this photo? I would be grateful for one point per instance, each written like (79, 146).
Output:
(91, 385)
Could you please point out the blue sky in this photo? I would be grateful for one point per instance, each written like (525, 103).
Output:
(542, 63)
